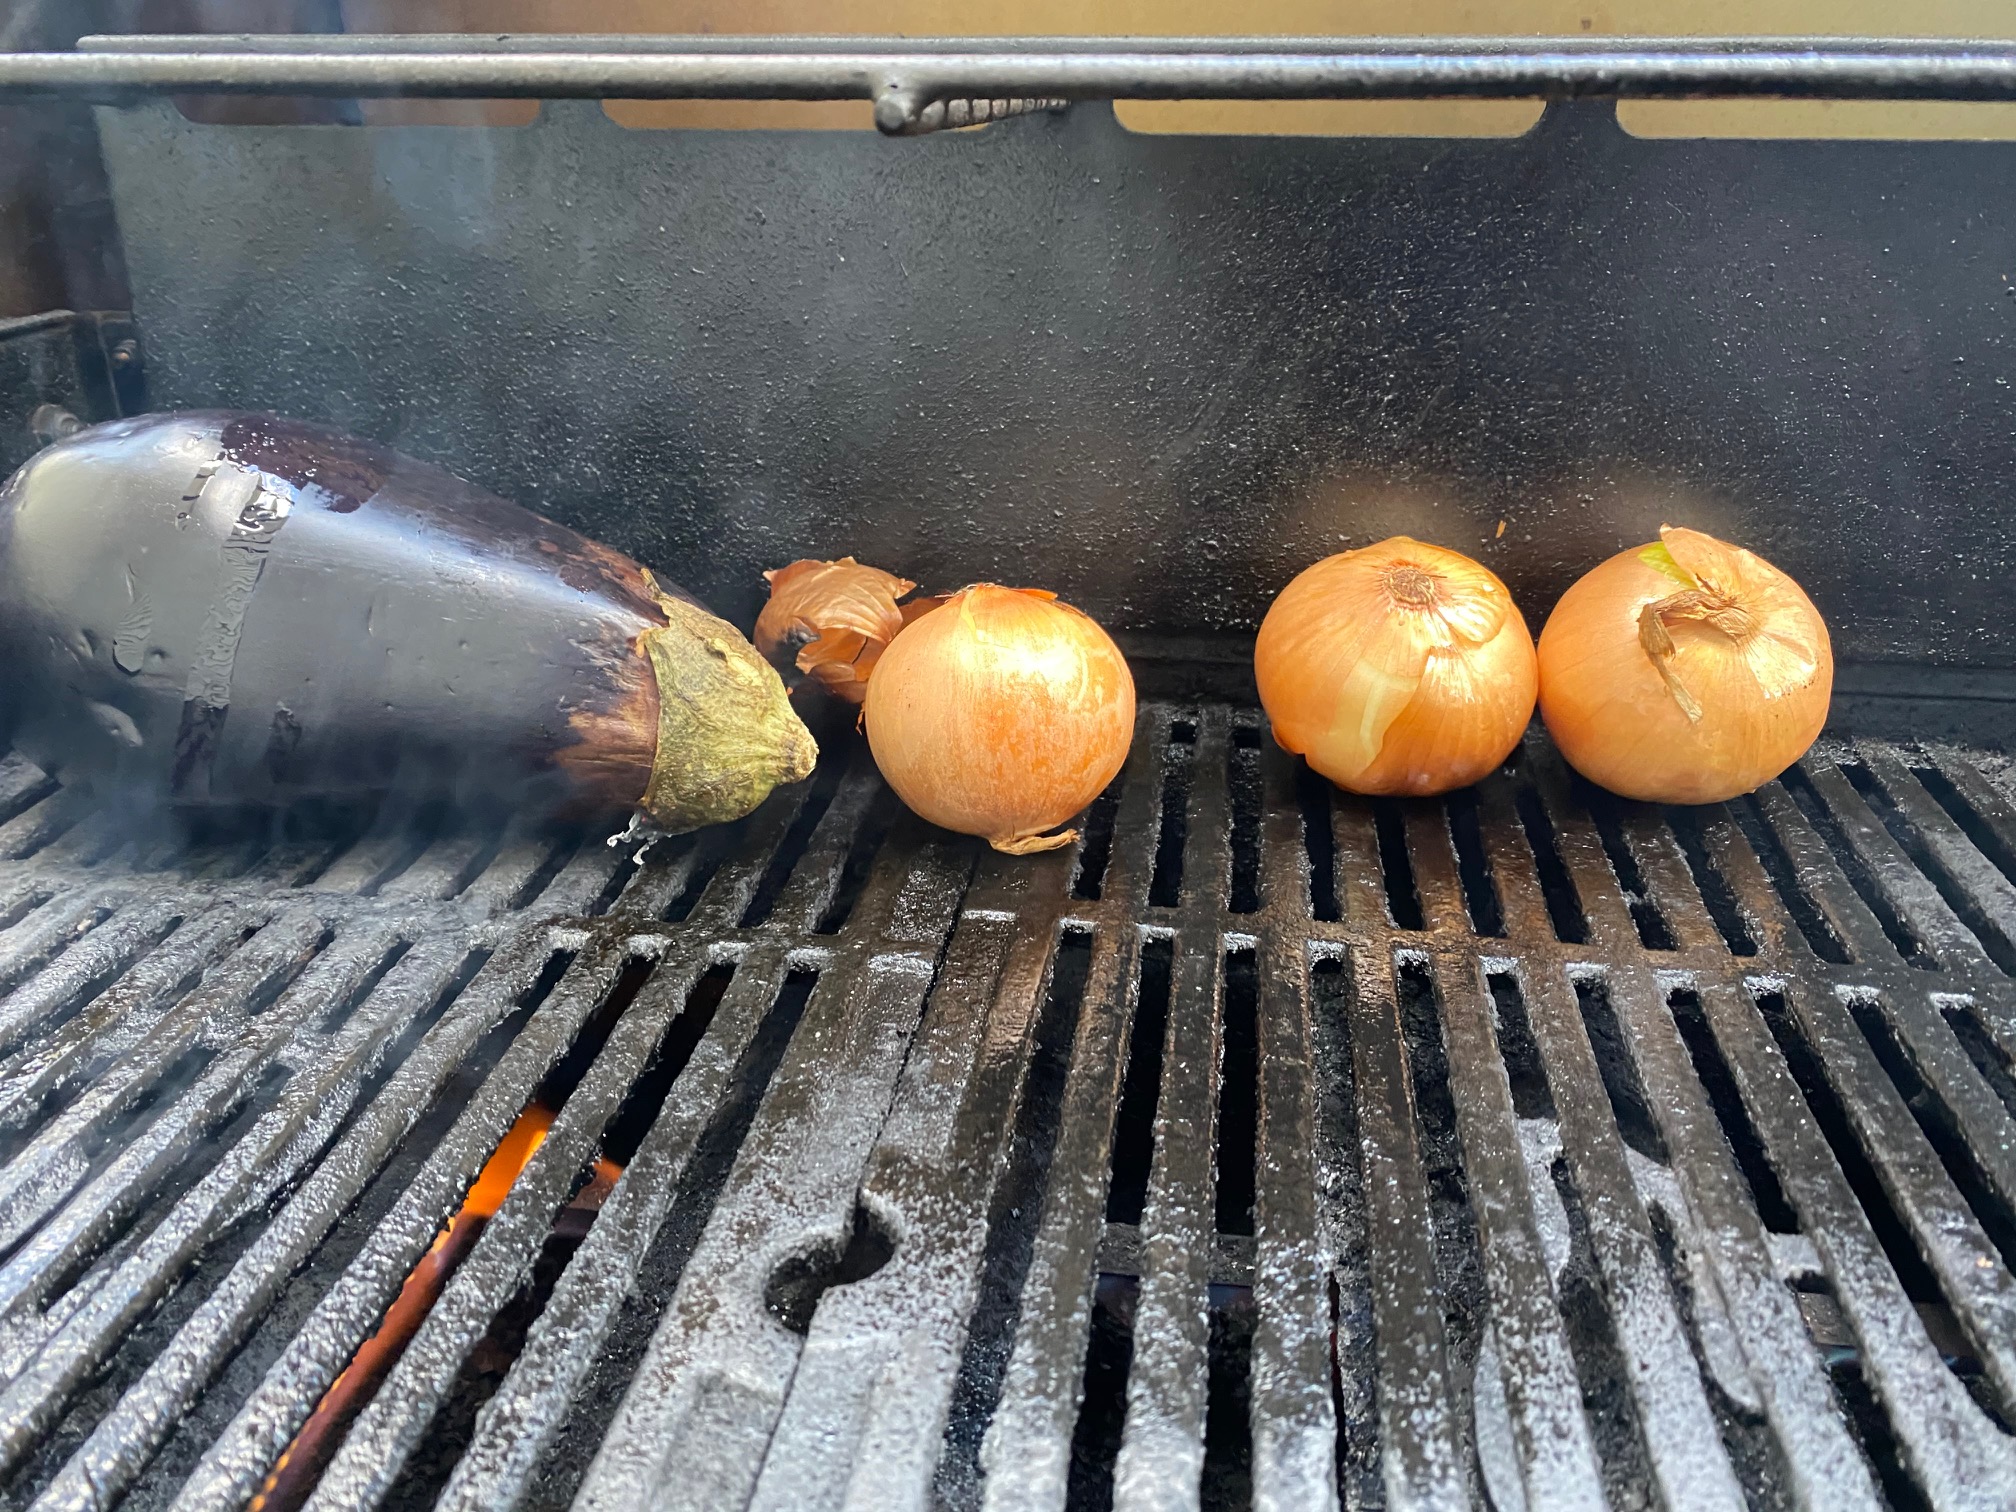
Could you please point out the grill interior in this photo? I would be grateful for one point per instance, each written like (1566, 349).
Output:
(1269, 1146)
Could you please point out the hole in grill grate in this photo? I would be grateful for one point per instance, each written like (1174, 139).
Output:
(1564, 904)
(861, 853)
(1459, 1268)
(1354, 1377)
(1012, 1220)
(784, 860)
(1608, 815)
(1403, 899)
(1314, 795)
(1784, 875)
(1628, 1102)
(1165, 887)
(1095, 845)
(1473, 864)
(1109, 1357)
(1766, 1194)
(1863, 1413)
(1242, 780)
(1227, 1480)
(1825, 824)
(1238, 1110)
(1716, 893)
(1964, 1019)
(1134, 1124)
(1531, 1096)
(794, 1291)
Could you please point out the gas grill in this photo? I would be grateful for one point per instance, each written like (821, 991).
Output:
(1270, 1146)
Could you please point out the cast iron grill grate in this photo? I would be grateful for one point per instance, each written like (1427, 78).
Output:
(1272, 1146)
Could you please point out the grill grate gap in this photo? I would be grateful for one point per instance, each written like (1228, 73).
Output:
(629, 866)
(1608, 815)
(1994, 937)
(1532, 1097)
(1095, 846)
(1134, 1124)
(1753, 1451)
(1564, 904)
(1226, 1484)
(1988, 1057)
(557, 856)
(1916, 1277)
(1767, 1194)
(1601, 1369)
(709, 852)
(1983, 835)
(1867, 1422)
(358, 995)
(1102, 1413)
(1013, 1217)
(1165, 886)
(1628, 1102)
(1403, 898)
(794, 1289)
(1458, 1263)
(1242, 780)
(861, 853)
(1473, 865)
(566, 1460)
(1716, 893)
(826, 780)
(1238, 1093)
(1314, 796)
(1354, 1374)
(1828, 826)
(1778, 866)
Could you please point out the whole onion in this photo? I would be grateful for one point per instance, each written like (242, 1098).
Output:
(1001, 714)
(1686, 671)
(1398, 668)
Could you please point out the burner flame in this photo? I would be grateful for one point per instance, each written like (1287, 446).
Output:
(294, 1474)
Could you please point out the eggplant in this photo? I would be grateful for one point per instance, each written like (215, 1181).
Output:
(220, 608)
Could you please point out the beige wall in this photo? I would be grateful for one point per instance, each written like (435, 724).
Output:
(1929, 18)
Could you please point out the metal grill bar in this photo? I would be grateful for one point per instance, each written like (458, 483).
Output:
(1597, 1153)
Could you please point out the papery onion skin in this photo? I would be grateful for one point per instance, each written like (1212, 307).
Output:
(1398, 669)
(837, 616)
(1001, 714)
(1739, 642)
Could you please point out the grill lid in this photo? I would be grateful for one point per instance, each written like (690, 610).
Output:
(1274, 1144)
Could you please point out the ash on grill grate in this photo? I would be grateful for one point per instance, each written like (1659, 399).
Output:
(1278, 1147)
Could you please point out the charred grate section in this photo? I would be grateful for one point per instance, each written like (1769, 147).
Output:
(1273, 1147)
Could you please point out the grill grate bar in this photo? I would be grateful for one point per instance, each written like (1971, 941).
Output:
(1162, 1450)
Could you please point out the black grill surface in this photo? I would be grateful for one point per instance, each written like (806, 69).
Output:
(1270, 1147)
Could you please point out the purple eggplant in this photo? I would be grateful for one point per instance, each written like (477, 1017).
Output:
(218, 608)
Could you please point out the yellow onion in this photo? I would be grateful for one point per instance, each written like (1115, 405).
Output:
(1001, 714)
(1399, 668)
(1686, 671)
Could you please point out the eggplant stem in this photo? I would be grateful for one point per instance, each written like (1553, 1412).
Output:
(1029, 845)
(1702, 606)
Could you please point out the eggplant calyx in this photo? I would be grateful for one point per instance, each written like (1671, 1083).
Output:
(727, 733)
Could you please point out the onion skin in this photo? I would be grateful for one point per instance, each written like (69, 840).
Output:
(837, 616)
(1001, 714)
(1398, 669)
(1686, 671)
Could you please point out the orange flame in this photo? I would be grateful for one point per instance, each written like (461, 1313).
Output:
(294, 1474)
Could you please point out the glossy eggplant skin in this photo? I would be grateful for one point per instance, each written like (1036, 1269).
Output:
(221, 608)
